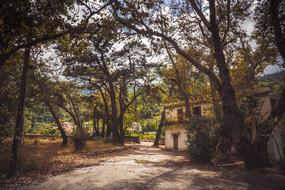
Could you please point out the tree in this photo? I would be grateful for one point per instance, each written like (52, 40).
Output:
(43, 21)
(159, 130)
(20, 112)
(25, 24)
(181, 80)
(278, 24)
(73, 102)
(186, 83)
(214, 30)
(46, 92)
(121, 72)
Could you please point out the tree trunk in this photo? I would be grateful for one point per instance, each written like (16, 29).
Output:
(276, 22)
(215, 99)
(109, 129)
(121, 128)
(159, 129)
(279, 35)
(114, 120)
(107, 116)
(98, 127)
(231, 126)
(20, 112)
(187, 108)
(255, 154)
(103, 127)
(58, 123)
(95, 125)
(122, 112)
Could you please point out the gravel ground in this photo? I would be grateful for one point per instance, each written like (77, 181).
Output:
(153, 168)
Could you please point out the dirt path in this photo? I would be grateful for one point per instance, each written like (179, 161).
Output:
(153, 168)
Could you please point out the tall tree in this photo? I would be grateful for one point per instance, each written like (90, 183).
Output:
(213, 28)
(17, 137)
(43, 21)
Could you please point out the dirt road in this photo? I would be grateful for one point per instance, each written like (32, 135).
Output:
(153, 168)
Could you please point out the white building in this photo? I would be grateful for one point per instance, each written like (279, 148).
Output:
(135, 127)
(176, 132)
(175, 125)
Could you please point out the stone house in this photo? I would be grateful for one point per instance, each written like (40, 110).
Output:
(175, 124)
(176, 132)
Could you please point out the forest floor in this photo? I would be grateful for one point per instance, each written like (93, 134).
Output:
(145, 167)
(47, 158)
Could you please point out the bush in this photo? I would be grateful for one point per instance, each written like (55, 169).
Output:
(202, 139)
(80, 137)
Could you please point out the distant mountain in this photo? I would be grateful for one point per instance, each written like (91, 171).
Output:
(275, 76)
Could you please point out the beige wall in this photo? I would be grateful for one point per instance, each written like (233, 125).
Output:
(182, 137)
(276, 143)
(264, 107)
(276, 140)
(171, 113)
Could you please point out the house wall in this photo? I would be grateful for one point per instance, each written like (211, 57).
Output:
(171, 113)
(264, 107)
(276, 142)
(182, 137)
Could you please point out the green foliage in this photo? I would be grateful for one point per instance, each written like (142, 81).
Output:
(149, 125)
(144, 137)
(43, 129)
(202, 138)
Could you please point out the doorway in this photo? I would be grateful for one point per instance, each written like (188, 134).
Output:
(175, 141)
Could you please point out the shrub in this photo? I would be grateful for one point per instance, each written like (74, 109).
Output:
(202, 138)
(80, 137)
(52, 131)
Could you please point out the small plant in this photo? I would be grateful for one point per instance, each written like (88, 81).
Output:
(142, 162)
(202, 139)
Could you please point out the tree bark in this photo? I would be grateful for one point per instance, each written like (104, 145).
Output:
(107, 116)
(277, 27)
(20, 112)
(95, 125)
(58, 123)
(187, 108)
(279, 109)
(103, 127)
(159, 129)
(231, 126)
(114, 119)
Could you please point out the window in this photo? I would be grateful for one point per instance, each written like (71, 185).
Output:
(180, 114)
(197, 111)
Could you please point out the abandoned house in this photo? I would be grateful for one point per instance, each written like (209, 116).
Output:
(175, 124)
(176, 132)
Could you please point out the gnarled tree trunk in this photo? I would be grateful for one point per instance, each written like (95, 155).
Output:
(159, 129)
(20, 112)
(58, 123)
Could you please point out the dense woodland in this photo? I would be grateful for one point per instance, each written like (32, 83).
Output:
(102, 65)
